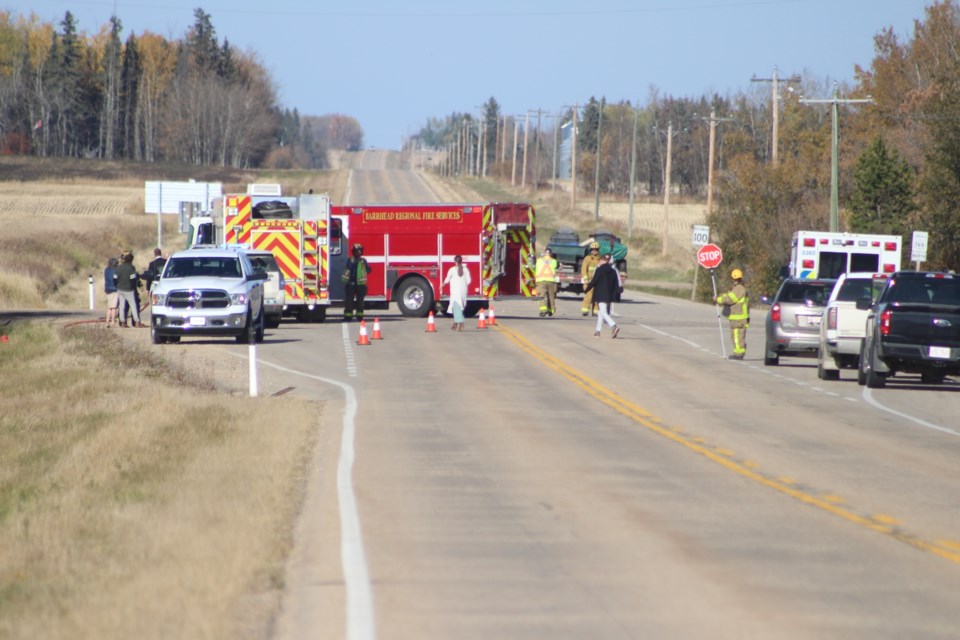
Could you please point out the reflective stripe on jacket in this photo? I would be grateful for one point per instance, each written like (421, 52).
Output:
(739, 301)
(546, 270)
(359, 267)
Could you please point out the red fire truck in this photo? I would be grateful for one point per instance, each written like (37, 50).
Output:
(411, 247)
(294, 228)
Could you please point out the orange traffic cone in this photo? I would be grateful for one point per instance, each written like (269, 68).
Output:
(363, 339)
(481, 321)
(376, 330)
(431, 325)
(492, 320)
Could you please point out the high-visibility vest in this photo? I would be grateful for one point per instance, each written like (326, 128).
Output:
(361, 267)
(546, 270)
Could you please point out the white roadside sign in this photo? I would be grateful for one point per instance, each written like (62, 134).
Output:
(701, 235)
(918, 249)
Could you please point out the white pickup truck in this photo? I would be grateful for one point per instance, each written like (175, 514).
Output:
(844, 326)
(208, 292)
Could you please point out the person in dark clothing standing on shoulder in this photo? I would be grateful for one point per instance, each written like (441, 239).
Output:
(605, 285)
(154, 269)
(110, 288)
(128, 280)
(354, 280)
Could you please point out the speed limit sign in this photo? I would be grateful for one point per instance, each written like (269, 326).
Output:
(701, 235)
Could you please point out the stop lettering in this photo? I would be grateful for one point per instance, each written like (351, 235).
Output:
(709, 256)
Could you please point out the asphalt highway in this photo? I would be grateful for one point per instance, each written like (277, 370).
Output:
(529, 480)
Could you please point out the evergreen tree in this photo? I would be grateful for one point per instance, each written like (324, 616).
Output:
(111, 90)
(882, 197)
(201, 45)
(589, 123)
(129, 97)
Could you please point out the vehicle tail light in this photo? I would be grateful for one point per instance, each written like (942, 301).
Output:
(808, 264)
(809, 242)
(824, 241)
(890, 246)
(889, 268)
(775, 313)
(885, 322)
(832, 318)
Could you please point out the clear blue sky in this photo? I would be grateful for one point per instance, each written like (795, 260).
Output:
(393, 64)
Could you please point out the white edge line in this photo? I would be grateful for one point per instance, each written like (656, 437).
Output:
(923, 423)
(356, 576)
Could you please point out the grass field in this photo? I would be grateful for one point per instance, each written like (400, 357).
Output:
(140, 496)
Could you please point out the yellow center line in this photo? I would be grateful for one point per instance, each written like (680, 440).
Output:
(831, 504)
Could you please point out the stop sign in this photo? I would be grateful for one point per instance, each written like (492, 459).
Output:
(709, 256)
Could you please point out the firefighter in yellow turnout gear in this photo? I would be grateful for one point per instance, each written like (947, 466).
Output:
(587, 267)
(547, 279)
(739, 302)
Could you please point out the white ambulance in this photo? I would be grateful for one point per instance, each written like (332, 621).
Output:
(818, 255)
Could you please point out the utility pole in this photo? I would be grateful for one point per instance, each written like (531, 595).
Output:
(485, 135)
(633, 172)
(666, 188)
(503, 144)
(835, 101)
(775, 107)
(516, 134)
(596, 180)
(526, 138)
(573, 160)
(714, 121)
(556, 132)
(479, 146)
(536, 149)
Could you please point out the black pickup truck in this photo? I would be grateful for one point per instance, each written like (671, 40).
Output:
(913, 326)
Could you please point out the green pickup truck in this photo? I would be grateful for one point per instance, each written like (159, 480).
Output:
(569, 250)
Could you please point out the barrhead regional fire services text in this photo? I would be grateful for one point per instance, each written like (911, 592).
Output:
(411, 215)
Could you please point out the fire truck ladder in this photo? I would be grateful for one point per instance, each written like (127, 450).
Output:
(310, 262)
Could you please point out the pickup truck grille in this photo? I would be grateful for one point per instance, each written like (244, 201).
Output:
(198, 299)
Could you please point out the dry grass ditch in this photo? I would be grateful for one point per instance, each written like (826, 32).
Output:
(137, 499)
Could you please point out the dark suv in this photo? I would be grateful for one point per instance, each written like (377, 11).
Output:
(793, 322)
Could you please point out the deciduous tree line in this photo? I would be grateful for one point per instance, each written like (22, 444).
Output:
(194, 100)
(899, 157)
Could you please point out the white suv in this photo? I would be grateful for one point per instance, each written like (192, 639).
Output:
(844, 325)
(274, 295)
(208, 292)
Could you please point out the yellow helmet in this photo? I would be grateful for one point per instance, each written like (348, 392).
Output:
(595, 245)
(736, 274)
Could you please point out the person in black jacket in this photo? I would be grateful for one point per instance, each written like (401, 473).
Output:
(154, 269)
(606, 286)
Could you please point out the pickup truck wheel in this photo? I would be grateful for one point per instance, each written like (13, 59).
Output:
(415, 298)
(872, 379)
(258, 333)
(861, 371)
(156, 337)
(249, 335)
